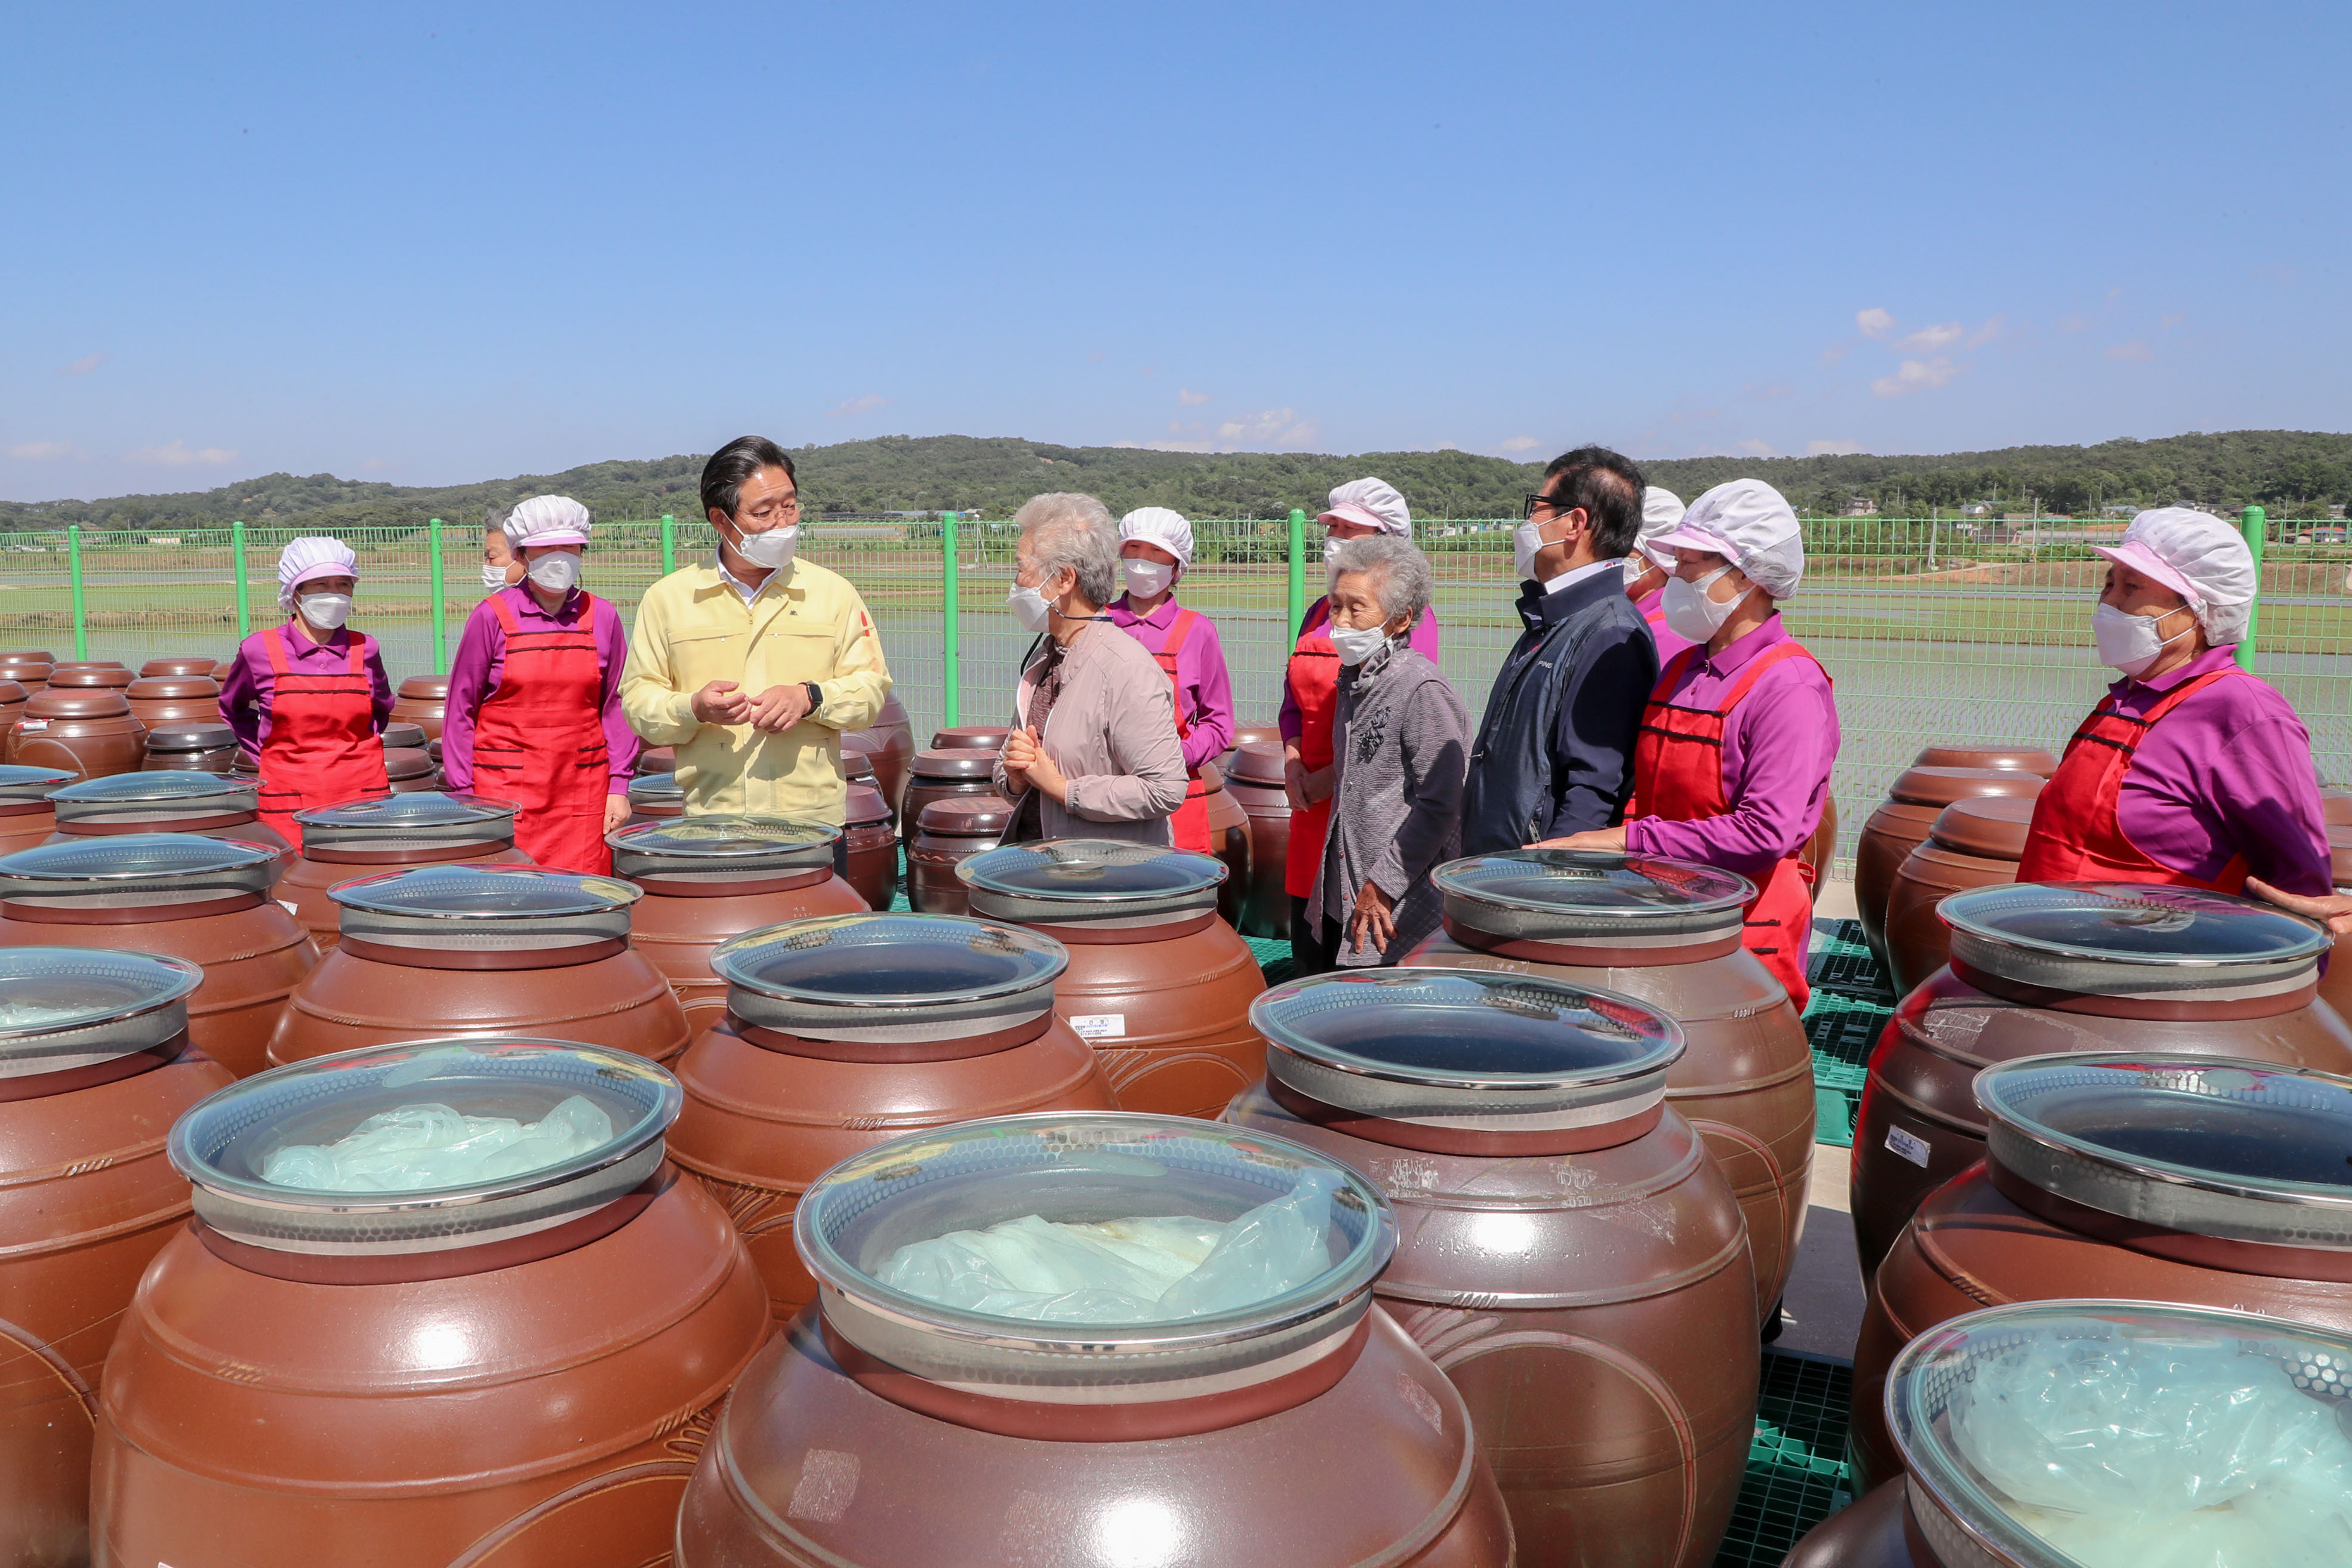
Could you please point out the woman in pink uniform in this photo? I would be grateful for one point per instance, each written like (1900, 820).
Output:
(1155, 550)
(1647, 567)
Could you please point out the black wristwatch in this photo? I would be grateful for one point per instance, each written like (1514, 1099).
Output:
(816, 694)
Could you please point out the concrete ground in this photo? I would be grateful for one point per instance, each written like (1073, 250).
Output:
(1821, 1312)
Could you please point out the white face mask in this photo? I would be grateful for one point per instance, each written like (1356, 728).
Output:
(770, 551)
(493, 577)
(1148, 579)
(1525, 539)
(1029, 608)
(1332, 552)
(326, 612)
(1690, 613)
(1637, 566)
(556, 573)
(1354, 647)
(2131, 643)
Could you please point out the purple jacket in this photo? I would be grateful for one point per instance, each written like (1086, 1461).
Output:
(1423, 642)
(252, 683)
(1204, 694)
(481, 659)
(1779, 746)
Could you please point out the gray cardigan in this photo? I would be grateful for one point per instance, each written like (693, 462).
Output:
(1113, 735)
(1402, 743)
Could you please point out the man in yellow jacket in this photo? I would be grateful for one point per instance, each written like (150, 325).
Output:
(753, 663)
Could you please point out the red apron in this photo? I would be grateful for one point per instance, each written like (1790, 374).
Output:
(1190, 823)
(323, 749)
(2077, 833)
(1678, 775)
(539, 741)
(1313, 678)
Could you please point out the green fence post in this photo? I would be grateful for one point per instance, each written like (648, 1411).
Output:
(81, 611)
(1297, 569)
(440, 620)
(244, 589)
(669, 544)
(2254, 524)
(951, 593)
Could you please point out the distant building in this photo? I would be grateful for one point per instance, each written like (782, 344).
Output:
(1977, 510)
(1859, 507)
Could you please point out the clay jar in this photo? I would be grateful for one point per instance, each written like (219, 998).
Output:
(1665, 933)
(1901, 824)
(204, 900)
(1157, 982)
(206, 804)
(464, 949)
(951, 831)
(27, 817)
(712, 878)
(186, 666)
(422, 700)
(2028, 758)
(95, 1066)
(1973, 843)
(843, 1032)
(1253, 778)
(12, 698)
(2150, 1178)
(90, 674)
(518, 1371)
(1229, 841)
(29, 668)
(655, 797)
(970, 736)
(409, 770)
(942, 775)
(207, 748)
(657, 759)
(992, 1442)
(2039, 969)
(86, 730)
(159, 700)
(388, 832)
(2336, 986)
(1257, 735)
(869, 846)
(890, 740)
(1569, 1254)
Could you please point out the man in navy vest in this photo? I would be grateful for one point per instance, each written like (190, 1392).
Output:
(1555, 751)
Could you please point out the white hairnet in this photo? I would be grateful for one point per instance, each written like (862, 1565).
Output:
(2202, 558)
(1371, 504)
(1661, 510)
(546, 520)
(312, 555)
(1159, 525)
(1748, 524)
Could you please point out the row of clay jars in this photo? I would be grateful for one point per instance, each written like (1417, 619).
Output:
(870, 846)
(329, 857)
(157, 701)
(422, 701)
(1253, 778)
(1973, 844)
(1902, 822)
(87, 731)
(211, 808)
(28, 667)
(949, 833)
(891, 741)
(27, 817)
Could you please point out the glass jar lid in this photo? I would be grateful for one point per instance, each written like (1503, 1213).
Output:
(64, 1007)
(158, 797)
(656, 794)
(1087, 1168)
(337, 1195)
(18, 782)
(420, 820)
(1628, 900)
(2241, 1150)
(1091, 882)
(2029, 1428)
(131, 871)
(2132, 939)
(464, 907)
(722, 849)
(1470, 1047)
(889, 976)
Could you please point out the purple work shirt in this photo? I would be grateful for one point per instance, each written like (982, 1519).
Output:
(1204, 696)
(2227, 773)
(1423, 642)
(1669, 642)
(246, 694)
(1779, 746)
(482, 659)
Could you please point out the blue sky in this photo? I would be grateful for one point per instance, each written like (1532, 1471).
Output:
(432, 243)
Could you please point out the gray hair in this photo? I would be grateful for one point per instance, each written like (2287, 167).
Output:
(1066, 529)
(1397, 572)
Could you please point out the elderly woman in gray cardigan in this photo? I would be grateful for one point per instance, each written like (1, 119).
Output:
(1401, 745)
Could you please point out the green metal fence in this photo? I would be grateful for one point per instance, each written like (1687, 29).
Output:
(1932, 631)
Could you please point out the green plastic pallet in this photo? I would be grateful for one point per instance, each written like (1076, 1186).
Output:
(1796, 1465)
(1852, 1002)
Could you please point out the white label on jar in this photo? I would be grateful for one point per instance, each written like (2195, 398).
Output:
(1909, 1145)
(1100, 1026)
(31, 726)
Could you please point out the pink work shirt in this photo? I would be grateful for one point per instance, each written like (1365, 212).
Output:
(1204, 694)
(1779, 747)
(252, 684)
(482, 658)
(1424, 641)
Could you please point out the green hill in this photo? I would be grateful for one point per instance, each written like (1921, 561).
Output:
(2294, 471)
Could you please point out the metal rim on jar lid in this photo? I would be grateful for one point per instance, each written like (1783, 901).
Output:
(2133, 940)
(175, 872)
(656, 795)
(67, 1007)
(724, 852)
(1954, 1505)
(1592, 899)
(159, 802)
(27, 788)
(464, 915)
(424, 821)
(1059, 1166)
(1096, 885)
(222, 1143)
(890, 978)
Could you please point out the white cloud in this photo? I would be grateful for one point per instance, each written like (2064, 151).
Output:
(1830, 448)
(1190, 398)
(179, 455)
(1271, 427)
(84, 365)
(1927, 339)
(1521, 444)
(1755, 448)
(2133, 352)
(849, 408)
(1874, 322)
(44, 450)
(1915, 375)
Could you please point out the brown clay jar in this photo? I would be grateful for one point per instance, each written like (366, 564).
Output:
(970, 736)
(2336, 986)
(2039, 969)
(466, 949)
(204, 900)
(521, 1371)
(843, 1032)
(87, 731)
(87, 1094)
(12, 698)
(1229, 841)
(891, 742)
(1973, 843)
(148, 801)
(409, 770)
(1665, 933)
(858, 768)
(196, 664)
(1257, 735)
(390, 832)
(1568, 1254)
(159, 700)
(1253, 778)
(708, 878)
(951, 833)
(942, 775)
(27, 817)
(655, 797)
(2031, 760)
(1154, 1442)
(422, 700)
(204, 748)
(1900, 825)
(2141, 1177)
(869, 842)
(1157, 982)
(657, 759)
(401, 735)
(92, 674)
